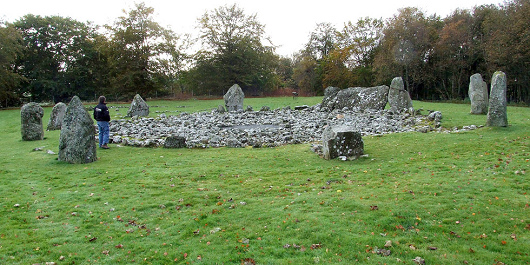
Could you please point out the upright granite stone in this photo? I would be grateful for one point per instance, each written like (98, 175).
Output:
(341, 141)
(234, 98)
(138, 107)
(398, 98)
(56, 117)
(497, 116)
(77, 144)
(359, 98)
(478, 94)
(175, 142)
(31, 122)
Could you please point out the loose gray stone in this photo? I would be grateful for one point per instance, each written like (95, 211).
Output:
(221, 109)
(497, 116)
(175, 142)
(234, 98)
(398, 98)
(31, 122)
(478, 94)
(341, 141)
(77, 144)
(138, 107)
(265, 108)
(56, 117)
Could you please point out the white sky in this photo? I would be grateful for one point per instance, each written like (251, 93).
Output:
(287, 22)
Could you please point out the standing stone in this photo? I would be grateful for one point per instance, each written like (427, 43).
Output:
(138, 107)
(497, 116)
(478, 94)
(77, 144)
(341, 141)
(31, 122)
(398, 97)
(56, 117)
(234, 98)
(175, 142)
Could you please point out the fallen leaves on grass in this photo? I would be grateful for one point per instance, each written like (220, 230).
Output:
(119, 246)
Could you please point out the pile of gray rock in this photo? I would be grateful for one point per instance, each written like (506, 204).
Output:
(264, 128)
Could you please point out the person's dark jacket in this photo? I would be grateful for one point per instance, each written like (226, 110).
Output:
(101, 112)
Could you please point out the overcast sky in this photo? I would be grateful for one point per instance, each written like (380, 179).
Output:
(287, 22)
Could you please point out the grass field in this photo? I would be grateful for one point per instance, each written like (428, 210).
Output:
(448, 198)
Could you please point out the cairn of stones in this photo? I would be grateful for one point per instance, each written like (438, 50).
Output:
(138, 107)
(77, 143)
(497, 113)
(234, 98)
(31, 122)
(478, 94)
(56, 117)
(399, 98)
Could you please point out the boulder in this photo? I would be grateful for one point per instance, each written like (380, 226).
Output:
(175, 142)
(398, 98)
(138, 107)
(77, 144)
(478, 94)
(341, 141)
(56, 117)
(497, 115)
(357, 98)
(221, 109)
(31, 122)
(234, 98)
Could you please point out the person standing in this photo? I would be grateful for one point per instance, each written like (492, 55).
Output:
(102, 116)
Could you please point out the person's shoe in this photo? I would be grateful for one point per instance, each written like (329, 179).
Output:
(105, 146)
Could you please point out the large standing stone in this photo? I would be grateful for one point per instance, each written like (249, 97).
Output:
(77, 144)
(175, 142)
(341, 141)
(478, 94)
(234, 98)
(497, 116)
(56, 117)
(398, 97)
(358, 98)
(31, 122)
(138, 107)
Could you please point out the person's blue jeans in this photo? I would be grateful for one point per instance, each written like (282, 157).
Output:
(103, 127)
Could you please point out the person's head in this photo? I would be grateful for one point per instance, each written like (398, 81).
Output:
(102, 99)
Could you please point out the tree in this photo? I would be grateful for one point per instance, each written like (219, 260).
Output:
(142, 54)
(233, 52)
(321, 41)
(54, 59)
(10, 48)
(406, 49)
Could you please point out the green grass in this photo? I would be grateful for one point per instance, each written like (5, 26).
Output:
(465, 194)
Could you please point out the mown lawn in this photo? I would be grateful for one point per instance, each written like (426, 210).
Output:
(448, 198)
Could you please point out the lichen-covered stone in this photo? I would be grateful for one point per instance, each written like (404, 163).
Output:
(138, 107)
(175, 142)
(478, 94)
(31, 122)
(234, 98)
(56, 117)
(497, 113)
(77, 144)
(357, 98)
(341, 141)
(398, 98)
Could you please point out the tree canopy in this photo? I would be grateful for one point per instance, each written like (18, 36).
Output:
(53, 58)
